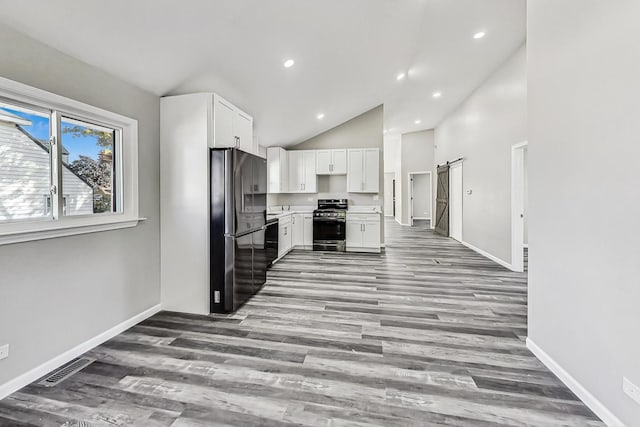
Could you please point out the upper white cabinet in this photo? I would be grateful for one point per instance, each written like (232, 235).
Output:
(331, 162)
(363, 172)
(302, 171)
(232, 127)
(277, 170)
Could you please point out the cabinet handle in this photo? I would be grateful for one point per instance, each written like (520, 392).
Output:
(304, 186)
(285, 231)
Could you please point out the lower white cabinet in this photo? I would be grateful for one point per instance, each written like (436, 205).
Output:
(302, 226)
(284, 235)
(363, 232)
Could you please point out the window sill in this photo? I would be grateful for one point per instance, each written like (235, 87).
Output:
(7, 238)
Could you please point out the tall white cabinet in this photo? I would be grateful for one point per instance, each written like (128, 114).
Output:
(363, 175)
(189, 126)
(302, 171)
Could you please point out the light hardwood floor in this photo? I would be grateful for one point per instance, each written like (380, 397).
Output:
(428, 333)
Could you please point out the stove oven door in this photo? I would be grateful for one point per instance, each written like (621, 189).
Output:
(329, 234)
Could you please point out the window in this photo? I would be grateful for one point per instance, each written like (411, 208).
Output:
(65, 167)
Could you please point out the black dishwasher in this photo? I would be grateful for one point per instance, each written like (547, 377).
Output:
(271, 241)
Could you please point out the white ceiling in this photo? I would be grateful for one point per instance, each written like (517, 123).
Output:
(347, 52)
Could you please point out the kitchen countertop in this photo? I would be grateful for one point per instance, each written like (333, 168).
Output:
(277, 213)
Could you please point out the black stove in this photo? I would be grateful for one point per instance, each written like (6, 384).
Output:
(330, 225)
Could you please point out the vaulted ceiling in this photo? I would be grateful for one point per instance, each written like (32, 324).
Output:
(348, 53)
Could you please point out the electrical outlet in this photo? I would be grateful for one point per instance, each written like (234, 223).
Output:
(630, 389)
(4, 351)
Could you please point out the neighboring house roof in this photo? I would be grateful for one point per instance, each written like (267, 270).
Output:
(6, 116)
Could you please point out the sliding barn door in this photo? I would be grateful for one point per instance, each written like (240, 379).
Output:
(442, 202)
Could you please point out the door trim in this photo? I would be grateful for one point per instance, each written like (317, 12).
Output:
(517, 206)
(457, 164)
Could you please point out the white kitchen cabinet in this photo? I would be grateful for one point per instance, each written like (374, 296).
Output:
(363, 172)
(232, 127)
(331, 162)
(297, 228)
(277, 170)
(308, 230)
(302, 229)
(284, 235)
(302, 171)
(363, 232)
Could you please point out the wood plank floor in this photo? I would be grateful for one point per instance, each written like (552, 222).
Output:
(428, 333)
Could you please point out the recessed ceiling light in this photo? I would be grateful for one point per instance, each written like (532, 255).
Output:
(437, 94)
(320, 116)
(418, 121)
(289, 63)
(479, 35)
(400, 76)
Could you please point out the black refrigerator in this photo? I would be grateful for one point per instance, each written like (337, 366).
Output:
(239, 255)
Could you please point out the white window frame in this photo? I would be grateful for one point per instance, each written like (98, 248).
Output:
(60, 225)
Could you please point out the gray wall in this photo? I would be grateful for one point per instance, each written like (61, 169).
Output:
(416, 155)
(584, 208)
(363, 131)
(393, 165)
(482, 130)
(58, 293)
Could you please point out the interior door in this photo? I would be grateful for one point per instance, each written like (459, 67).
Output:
(455, 201)
(442, 202)
(223, 112)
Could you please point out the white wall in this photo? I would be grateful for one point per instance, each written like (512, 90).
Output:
(417, 155)
(58, 293)
(393, 164)
(482, 130)
(584, 205)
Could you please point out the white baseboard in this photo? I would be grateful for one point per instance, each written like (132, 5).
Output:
(40, 371)
(488, 255)
(589, 399)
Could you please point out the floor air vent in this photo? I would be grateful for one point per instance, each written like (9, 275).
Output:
(436, 261)
(64, 372)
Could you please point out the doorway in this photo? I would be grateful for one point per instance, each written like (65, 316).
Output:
(420, 197)
(519, 189)
(455, 201)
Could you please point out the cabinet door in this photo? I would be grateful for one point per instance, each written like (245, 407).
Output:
(243, 129)
(354, 234)
(297, 230)
(273, 169)
(355, 171)
(338, 162)
(223, 113)
(310, 180)
(296, 171)
(371, 172)
(284, 171)
(308, 229)
(371, 234)
(323, 162)
(284, 237)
